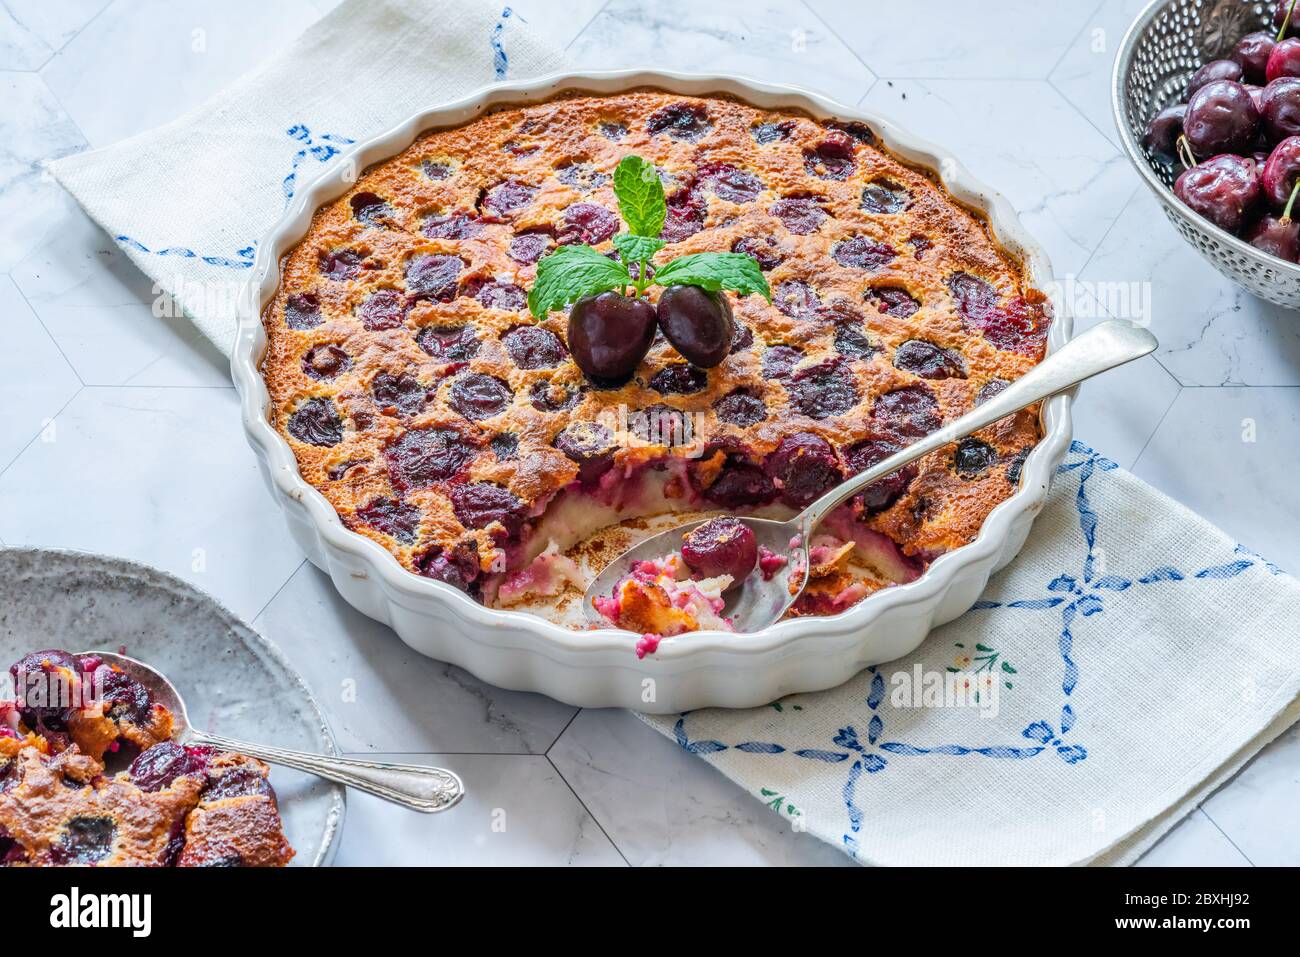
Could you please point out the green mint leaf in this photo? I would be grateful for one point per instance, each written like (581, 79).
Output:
(640, 196)
(714, 271)
(571, 273)
(637, 249)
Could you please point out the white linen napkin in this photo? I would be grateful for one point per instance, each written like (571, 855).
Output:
(188, 201)
(1137, 656)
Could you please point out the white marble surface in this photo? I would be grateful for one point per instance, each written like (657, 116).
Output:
(119, 430)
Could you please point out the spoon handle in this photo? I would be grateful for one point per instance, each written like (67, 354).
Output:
(1102, 347)
(418, 787)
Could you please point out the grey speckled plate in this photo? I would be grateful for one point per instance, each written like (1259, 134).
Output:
(234, 681)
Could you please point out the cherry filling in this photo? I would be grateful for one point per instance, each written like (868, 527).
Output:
(883, 493)
(419, 458)
(729, 183)
(763, 250)
(158, 767)
(479, 504)
(740, 484)
(529, 247)
(302, 311)
(797, 299)
(1016, 326)
(434, 277)
(741, 408)
(885, 198)
(799, 214)
(721, 546)
(852, 342)
(803, 467)
(341, 265)
(383, 309)
(452, 344)
(862, 252)
(508, 196)
(911, 412)
(532, 347)
(823, 390)
(831, 159)
(493, 294)
(764, 133)
(685, 217)
(456, 566)
(586, 223)
(681, 121)
(453, 226)
(548, 396)
(929, 361)
(370, 209)
(85, 840)
(892, 301)
(401, 393)
(325, 362)
(779, 362)
(125, 699)
(476, 395)
(591, 446)
(401, 520)
(316, 422)
(679, 379)
(973, 458)
(42, 681)
(854, 129)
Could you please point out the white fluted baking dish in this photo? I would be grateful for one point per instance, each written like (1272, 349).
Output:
(599, 668)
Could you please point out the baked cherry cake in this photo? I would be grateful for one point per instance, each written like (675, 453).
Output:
(173, 806)
(509, 451)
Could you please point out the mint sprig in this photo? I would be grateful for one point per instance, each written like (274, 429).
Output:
(576, 272)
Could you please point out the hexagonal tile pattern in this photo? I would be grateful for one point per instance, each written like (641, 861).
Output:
(386, 696)
(1068, 188)
(776, 42)
(160, 475)
(955, 39)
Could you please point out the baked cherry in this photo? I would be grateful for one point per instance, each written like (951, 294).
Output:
(591, 446)
(434, 277)
(800, 214)
(341, 265)
(401, 520)
(479, 504)
(530, 246)
(886, 491)
(1215, 70)
(1252, 52)
(1284, 60)
(1224, 190)
(477, 395)
(721, 546)
(383, 309)
(661, 425)
(685, 215)
(742, 339)
(831, 159)
(679, 379)
(42, 682)
(125, 699)
(911, 412)
(991, 388)
(316, 422)
(1280, 106)
(436, 169)
(84, 840)
(457, 566)
(741, 407)
(729, 183)
(825, 389)
(370, 209)
(885, 198)
(238, 782)
(505, 445)
(547, 395)
(586, 223)
(157, 767)
(453, 226)
(501, 295)
(764, 133)
(532, 347)
(453, 344)
(610, 334)
(973, 458)
(1163, 131)
(763, 250)
(858, 131)
(681, 121)
(325, 362)
(892, 301)
(740, 484)
(400, 393)
(698, 323)
(612, 130)
(929, 361)
(976, 297)
(779, 362)
(419, 458)
(803, 468)
(797, 299)
(862, 252)
(302, 311)
(1221, 118)
(581, 176)
(508, 196)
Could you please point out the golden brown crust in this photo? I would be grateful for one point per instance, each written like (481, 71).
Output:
(528, 145)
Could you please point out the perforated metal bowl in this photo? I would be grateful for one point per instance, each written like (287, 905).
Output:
(1163, 48)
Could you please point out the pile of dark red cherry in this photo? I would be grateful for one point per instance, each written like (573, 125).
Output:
(1238, 137)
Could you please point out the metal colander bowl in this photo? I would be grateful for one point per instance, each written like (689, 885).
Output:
(1163, 48)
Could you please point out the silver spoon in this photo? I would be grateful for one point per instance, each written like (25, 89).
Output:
(417, 787)
(757, 603)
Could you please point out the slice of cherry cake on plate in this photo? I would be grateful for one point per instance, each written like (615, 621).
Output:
(448, 421)
(172, 805)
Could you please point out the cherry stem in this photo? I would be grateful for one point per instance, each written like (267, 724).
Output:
(1286, 21)
(1185, 152)
(1290, 203)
